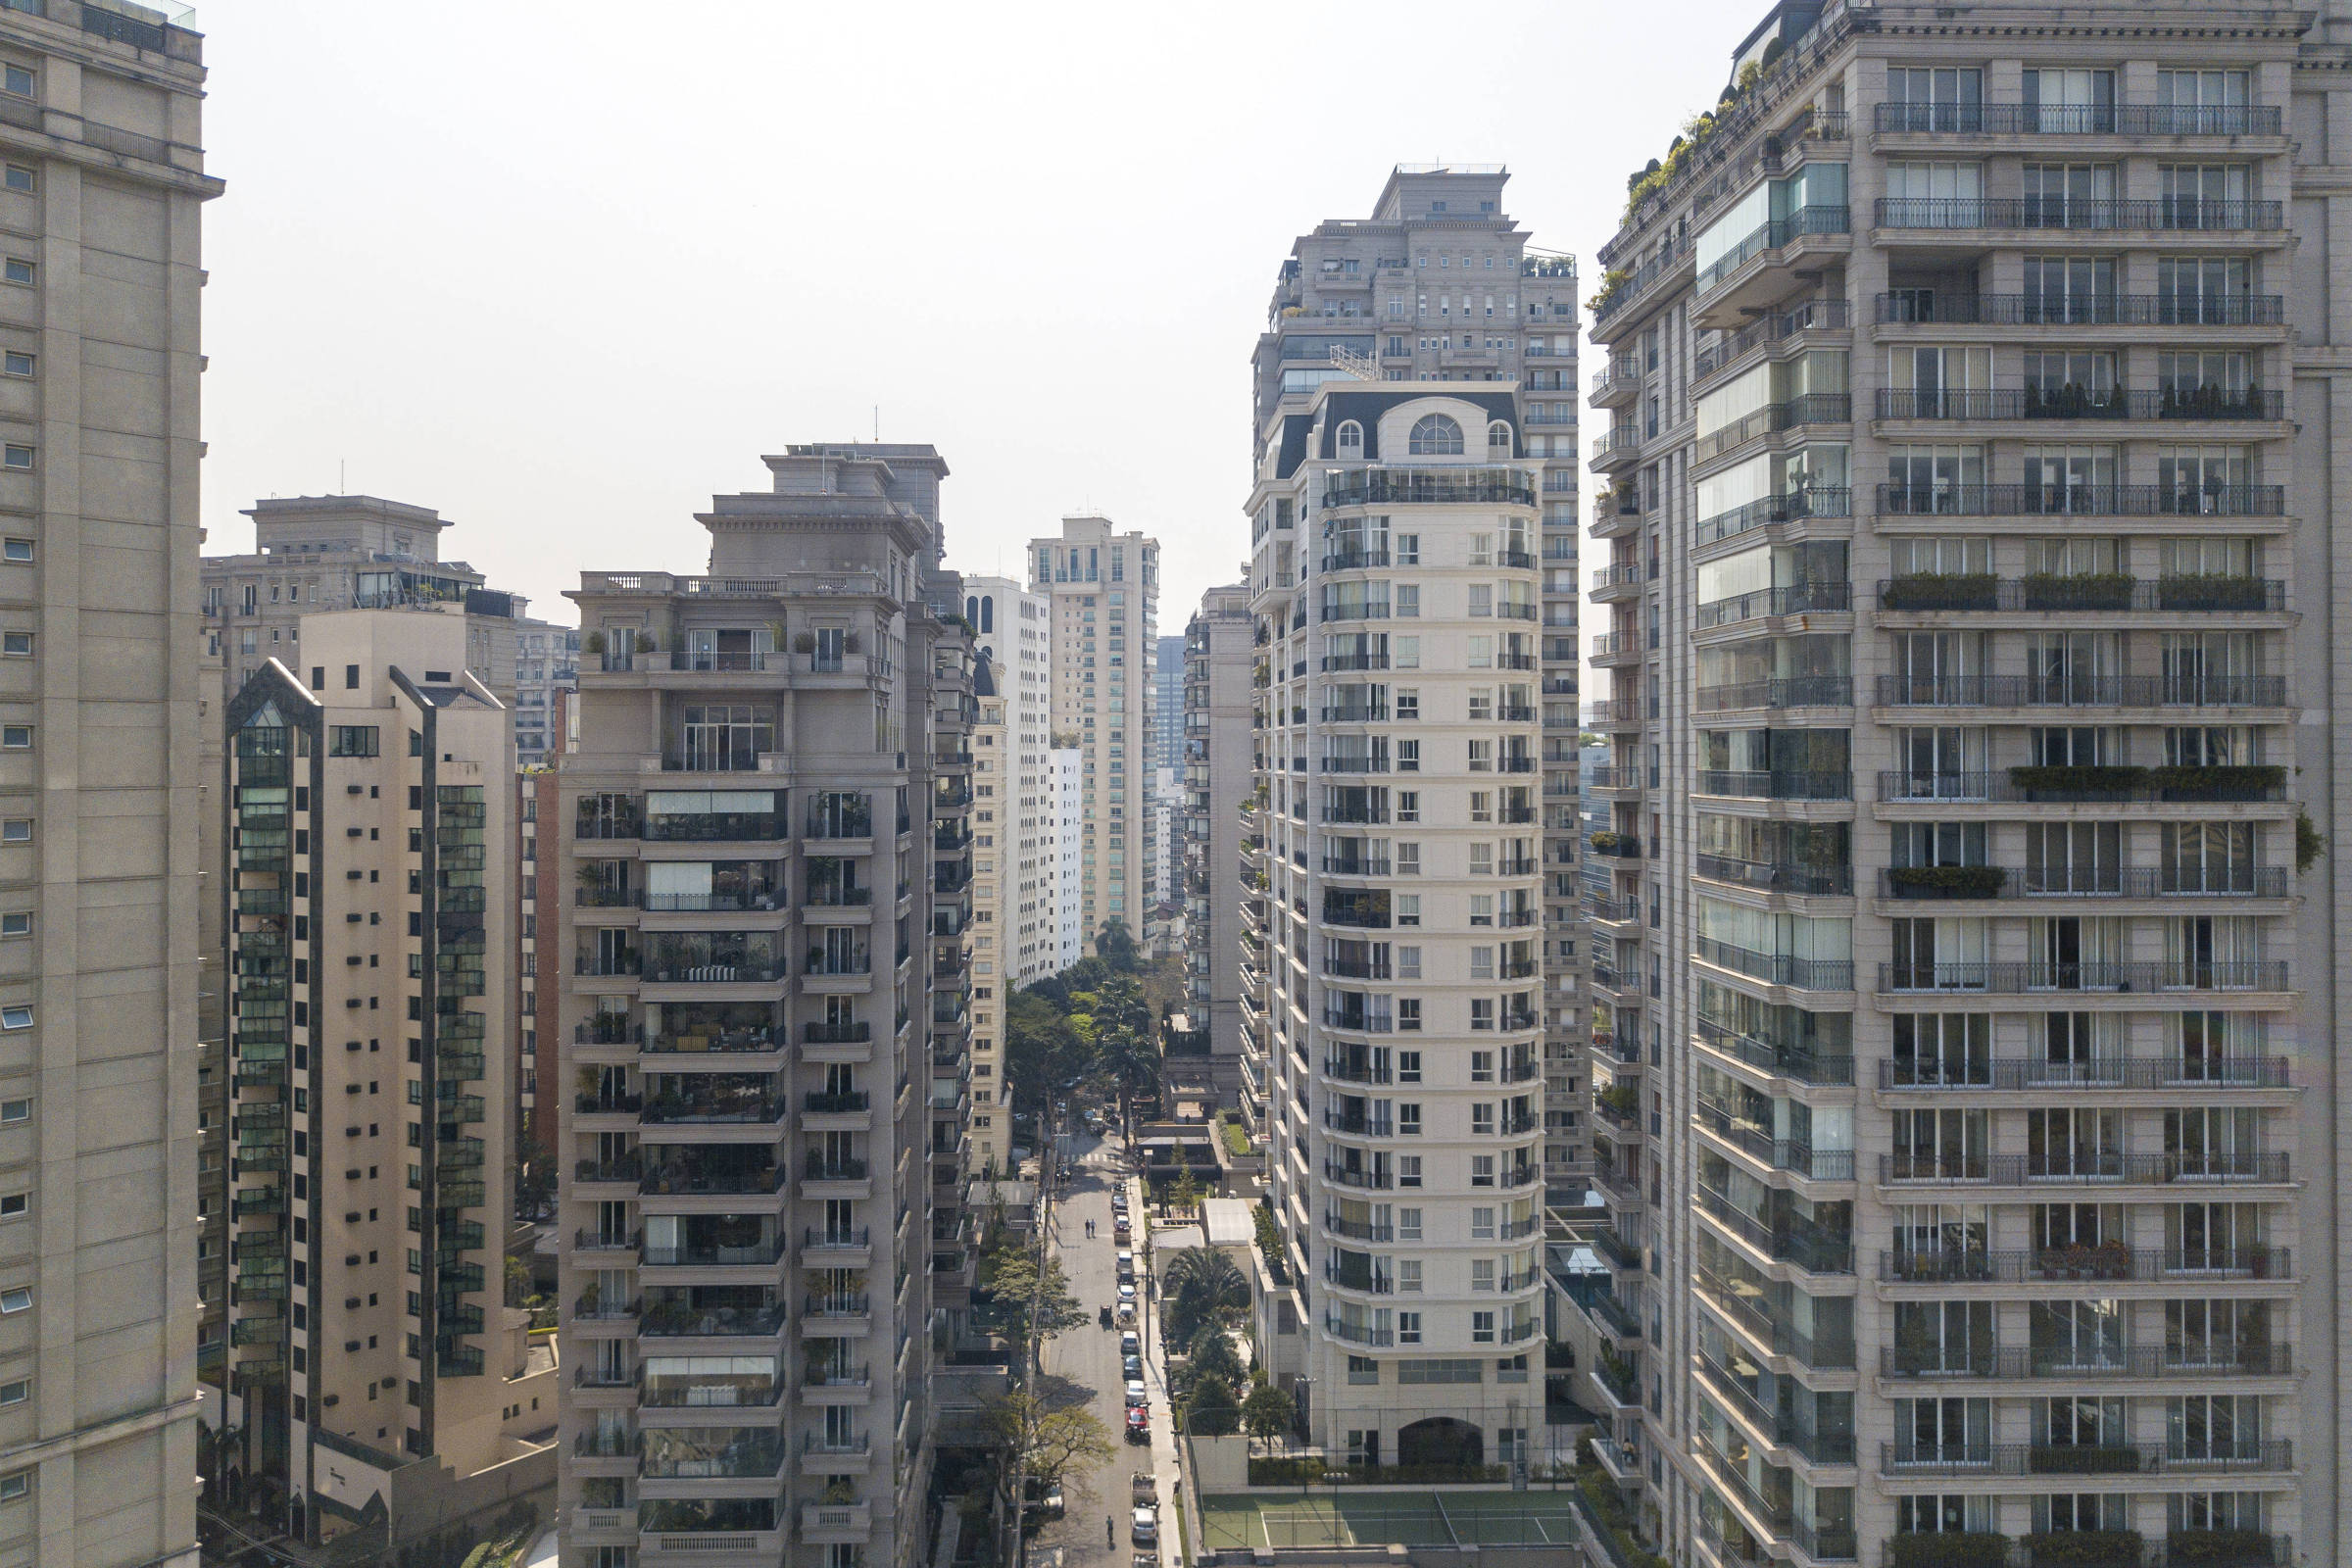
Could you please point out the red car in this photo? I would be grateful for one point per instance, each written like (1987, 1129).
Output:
(1139, 1423)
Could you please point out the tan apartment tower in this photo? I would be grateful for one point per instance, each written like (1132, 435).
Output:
(1216, 808)
(1975, 794)
(1105, 589)
(376, 1382)
(766, 852)
(101, 274)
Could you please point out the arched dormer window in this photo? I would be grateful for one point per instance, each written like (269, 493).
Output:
(1351, 439)
(1435, 437)
(1498, 439)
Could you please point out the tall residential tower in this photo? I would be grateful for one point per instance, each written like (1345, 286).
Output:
(1975, 510)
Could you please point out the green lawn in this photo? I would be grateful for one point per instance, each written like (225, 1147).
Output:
(1378, 1518)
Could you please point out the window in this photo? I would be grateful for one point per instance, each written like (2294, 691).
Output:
(1408, 1067)
(16, 1391)
(1482, 1170)
(1409, 1224)
(1409, 911)
(1409, 1014)
(1408, 1276)
(18, 80)
(1409, 809)
(15, 1017)
(1408, 1121)
(1408, 753)
(15, 1206)
(1351, 439)
(1481, 1270)
(14, 1488)
(1482, 1066)
(1482, 968)
(1408, 600)
(1408, 1324)
(16, 923)
(351, 740)
(15, 549)
(19, 177)
(1408, 701)
(1408, 859)
(1482, 1116)
(1482, 1324)
(1498, 434)
(1481, 1224)
(1409, 962)
(16, 270)
(16, 644)
(16, 830)
(1406, 652)
(1408, 549)
(16, 1298)
(1408, 1170)
(15, 1109)
(16, 362)
(1433, 434)
(16, 457)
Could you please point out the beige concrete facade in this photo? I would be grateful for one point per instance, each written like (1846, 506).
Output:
(1974, 509)
(100, 117)
(767, 831)
(1104, 590)
(371, 830)
(1218, 753)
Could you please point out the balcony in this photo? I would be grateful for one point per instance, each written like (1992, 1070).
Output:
(2096, 1167)
(1750, 785)
(2019, 977)
(1779, 1154)
(2103, 404)
(1784, 692)
(1902, 1460)
(1810, 409)
(1940, 882)
(2089, 500)
(2111, 593)
(2016, 1362)
(1617, 382)
(2113, 1262)
(2169, 215)
(706, 1255)
(1779, 968)
(2094, 786)
(830, 1522)
(1619, 448)
(2095, 310)
(1357, 1333)
(2166, 1073)
(2082, 691)
(1783, 1242)
(1355, 1176)
(1756, 268)
(2075, 119)
(678, 1320)
(1772, 876)
(1820, 501)
(1377, 487)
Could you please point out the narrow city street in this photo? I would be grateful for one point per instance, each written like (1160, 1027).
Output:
(1086, 1361)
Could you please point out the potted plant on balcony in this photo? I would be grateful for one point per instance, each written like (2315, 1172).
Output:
(2086, 590)
(2242, 781)
(2216, 1548)
(804, 642)
(593, 643)
(2059, 782)
(1943, 590)
(1949, 1548)
(2084, 1549)
(2211, 591)
(1947, 881)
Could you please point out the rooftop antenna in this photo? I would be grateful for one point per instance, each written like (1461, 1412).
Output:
(877, 423)
(342, 476)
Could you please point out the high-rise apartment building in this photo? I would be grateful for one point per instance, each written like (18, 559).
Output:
(1400, 888)
(547, 660)
(1973, 509)
(1065, 775)
(767, 1019)
(322, 553)
(101, 277)
(1012, 811)
(994, 881)
(1168, 767)
(1103, 588)
(1216, 660)
(370, 831)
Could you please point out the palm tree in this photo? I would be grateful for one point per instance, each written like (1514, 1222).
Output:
(1203, 1286)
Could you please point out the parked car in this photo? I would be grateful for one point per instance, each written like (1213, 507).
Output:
(1044, 1501)
(1131, 1343)
(1126, 1313)
(1139, 1423)
(1147, 1527)
(1134, 1366)
(1120, 1230)
(1127, 1293)
(1136, 1395)
(1126, 1265)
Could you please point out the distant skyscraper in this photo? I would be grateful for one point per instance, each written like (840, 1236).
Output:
(1219, 812)
(1103, 586)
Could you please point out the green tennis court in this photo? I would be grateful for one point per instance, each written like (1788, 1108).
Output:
(1535, 1518)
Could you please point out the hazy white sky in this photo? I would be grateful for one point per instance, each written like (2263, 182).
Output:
(562, 272)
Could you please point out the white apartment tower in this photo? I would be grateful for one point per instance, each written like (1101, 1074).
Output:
(1012, 628)
(767, 1017)
(1409, 920)
(1103, 586)
(1974, 813)
(101, 278)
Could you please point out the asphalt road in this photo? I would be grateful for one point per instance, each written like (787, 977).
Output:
(1082, 1365)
